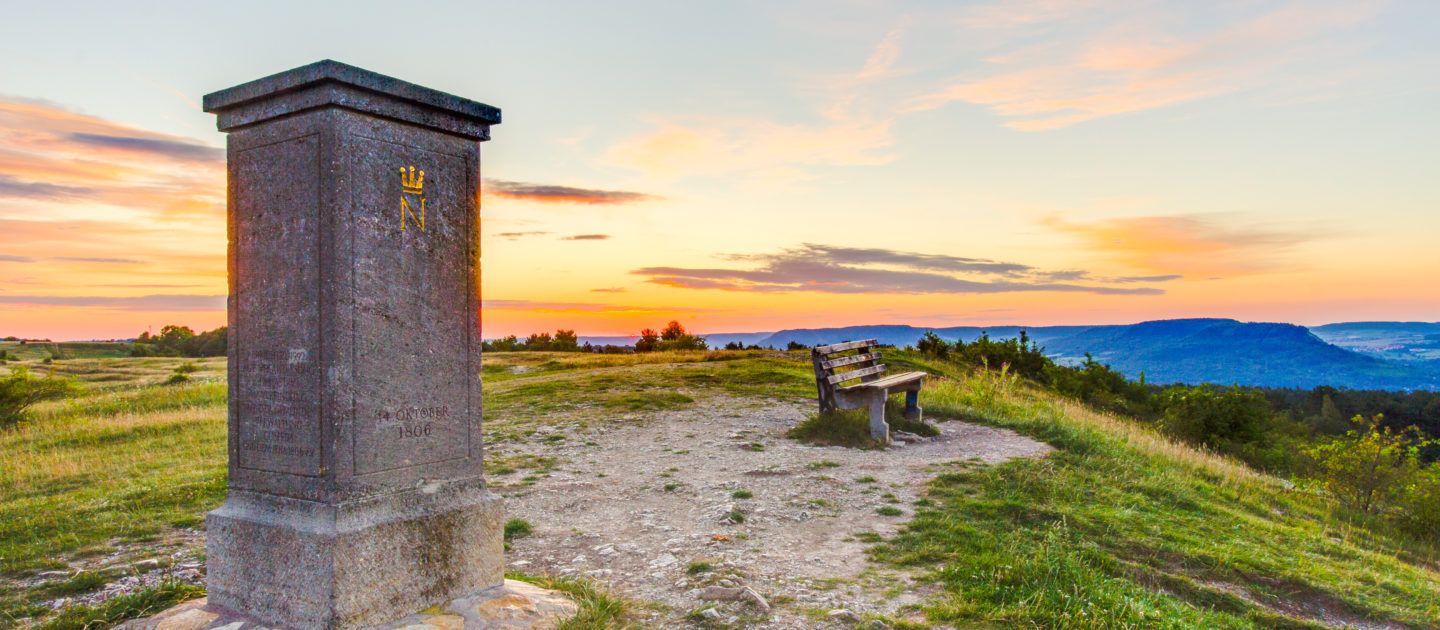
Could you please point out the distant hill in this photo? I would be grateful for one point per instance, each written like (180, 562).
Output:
(1192, 351)
(1409, 342)
(900, 335)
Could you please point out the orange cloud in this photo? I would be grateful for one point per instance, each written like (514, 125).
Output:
(1187, 244)
(1128, 66)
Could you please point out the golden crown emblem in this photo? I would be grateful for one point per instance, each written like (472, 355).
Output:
(410, 183)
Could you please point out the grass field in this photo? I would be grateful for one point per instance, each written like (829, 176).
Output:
(1119, 528)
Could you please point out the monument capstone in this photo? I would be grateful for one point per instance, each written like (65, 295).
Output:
(356, 490)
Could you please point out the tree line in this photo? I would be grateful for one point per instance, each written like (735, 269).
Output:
(180, 341)
(672, 337)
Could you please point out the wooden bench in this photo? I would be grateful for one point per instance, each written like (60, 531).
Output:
(861, 361)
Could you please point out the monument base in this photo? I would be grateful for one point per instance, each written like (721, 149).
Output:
(290, 563)
(512, 606)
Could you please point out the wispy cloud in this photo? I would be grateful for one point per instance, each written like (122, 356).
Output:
(843, 131)
(519, 235)
(582, 307)
(1185, 243)
(830, 269)
(1116, 60)
(184, 303)
(562, 194)
(882, 61)
(51, 154)
(104, 261)
(587, 237)
(609, 290)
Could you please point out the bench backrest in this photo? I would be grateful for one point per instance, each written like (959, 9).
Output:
(840, 362)
(836, 364)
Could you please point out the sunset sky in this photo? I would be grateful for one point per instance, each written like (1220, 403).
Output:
(753, 166)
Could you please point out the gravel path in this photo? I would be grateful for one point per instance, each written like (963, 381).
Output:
(634, 504)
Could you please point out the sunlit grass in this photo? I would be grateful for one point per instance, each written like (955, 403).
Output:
(1121, 527)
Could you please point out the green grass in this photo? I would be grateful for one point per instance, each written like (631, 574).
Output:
(142, 603)
(598, 610)
(1120, 528)
(851, 427)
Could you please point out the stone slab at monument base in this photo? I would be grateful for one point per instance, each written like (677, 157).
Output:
(299, 564)
(510, 606)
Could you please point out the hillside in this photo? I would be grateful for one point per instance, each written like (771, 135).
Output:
(1226, 351)
(1192, 351)
(649, 476)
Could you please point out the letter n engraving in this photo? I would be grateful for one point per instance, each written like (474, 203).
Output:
(412, 184)
(406, 211)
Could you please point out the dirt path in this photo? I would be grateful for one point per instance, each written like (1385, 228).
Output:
(633, 505)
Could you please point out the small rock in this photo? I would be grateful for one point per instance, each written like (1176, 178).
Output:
(756, 598)
(722, 593)
(897, 444)
(732, 620)
(55, 574)
(841, 614)
(710, 613)
(876, 624)
(664, 560)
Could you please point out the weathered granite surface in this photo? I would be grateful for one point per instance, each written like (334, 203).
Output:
(355, 458)
(512, 605)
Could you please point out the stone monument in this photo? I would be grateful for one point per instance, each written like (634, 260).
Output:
(356, 489)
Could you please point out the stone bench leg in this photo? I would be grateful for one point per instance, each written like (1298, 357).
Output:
(879, 429)
(912, 405)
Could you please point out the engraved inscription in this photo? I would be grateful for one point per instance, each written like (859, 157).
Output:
(412, 422)
(275, 407)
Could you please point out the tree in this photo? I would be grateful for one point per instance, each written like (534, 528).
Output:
(648, 339)
(931, 345)
(795, 345)
(20, 389)
(1220, 418)
(565, 341)
(672, 331)
(538, 341)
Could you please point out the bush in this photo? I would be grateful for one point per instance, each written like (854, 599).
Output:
(1372, 467)
(1419, 503)
(20, 389)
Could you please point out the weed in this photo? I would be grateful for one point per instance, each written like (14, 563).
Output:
(825, 463)
(889, 510)
(697, 568)
(671, 487)
(517, 528)
(742, 494)
(865, 479)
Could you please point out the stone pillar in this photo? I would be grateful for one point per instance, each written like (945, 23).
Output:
(356, 493)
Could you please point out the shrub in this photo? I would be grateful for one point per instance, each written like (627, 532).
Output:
(1372, 467)
(20, 389)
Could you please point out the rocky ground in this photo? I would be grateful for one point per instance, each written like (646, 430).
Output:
(712, 517)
